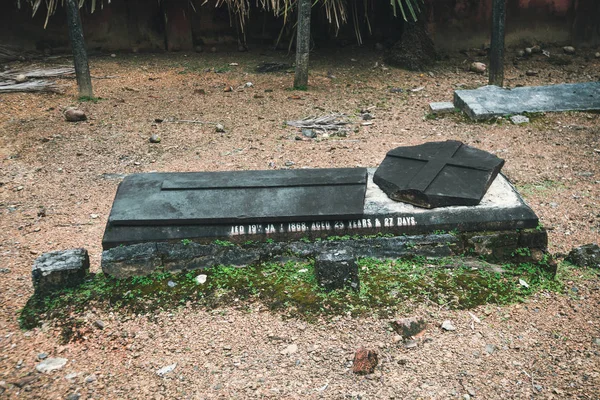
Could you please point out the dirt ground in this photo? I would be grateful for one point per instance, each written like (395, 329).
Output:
(58, 180)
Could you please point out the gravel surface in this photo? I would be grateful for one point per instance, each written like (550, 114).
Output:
(58, 180)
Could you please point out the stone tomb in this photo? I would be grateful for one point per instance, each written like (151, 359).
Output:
(144, 211)
(174, 222)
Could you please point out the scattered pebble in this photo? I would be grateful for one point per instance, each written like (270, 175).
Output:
(531, 73)
(171, 284)
(73, 396)
(155, 138)
(596, 341)
(219, 128)
(291, 349)
(410, 344)
(99, 324)
(490, 348)
(42, 356)
(597, 55)
(90, 378)
(447, 326)
(21, 78)
(478, 67)
(201, 279)
(309, 133)
(94, 216)
(51, 364)
(519, 119)
(569, 50)
(165, 370)
(364, 361)
(75, 115)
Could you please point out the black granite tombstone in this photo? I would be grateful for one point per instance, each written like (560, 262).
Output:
(230, 203)
(437, 174)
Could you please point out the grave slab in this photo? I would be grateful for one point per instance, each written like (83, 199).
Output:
(500, 209)
(491, 101)
(442, 107)
(437, 174)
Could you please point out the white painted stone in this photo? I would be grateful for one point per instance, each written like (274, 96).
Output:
(519, 119)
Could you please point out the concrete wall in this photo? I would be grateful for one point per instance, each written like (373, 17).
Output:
(141, 24)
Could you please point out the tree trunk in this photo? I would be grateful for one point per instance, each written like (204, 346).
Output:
(80, 58)
(497, 43)
(415, 50)
(302, 44)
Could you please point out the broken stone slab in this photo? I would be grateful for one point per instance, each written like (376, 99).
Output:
(491, 101)
(59, 269)
(442, 107)
(585, 256)
(365, 361)
(437, 174)
(337, 269)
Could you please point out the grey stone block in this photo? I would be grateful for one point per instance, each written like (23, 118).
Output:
(127, 261)
(519, 119)
(59, 269)
(337, 269)
(442, 107)
(585, 256)
(490, 101)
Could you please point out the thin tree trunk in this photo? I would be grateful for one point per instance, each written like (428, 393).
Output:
(302, 44)
(80, 58)
(497, 43)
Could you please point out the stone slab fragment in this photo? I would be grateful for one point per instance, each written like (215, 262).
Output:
(442, 107)
(60, 269)
(437, 174)
(136, 260)
(491, 101)
(500, 209)
(336, 269)
(239, 197)
(585, 256)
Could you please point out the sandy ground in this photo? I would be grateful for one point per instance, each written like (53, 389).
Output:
(56, 191)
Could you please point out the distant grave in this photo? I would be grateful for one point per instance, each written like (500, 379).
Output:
(186, 221)
(491, 101)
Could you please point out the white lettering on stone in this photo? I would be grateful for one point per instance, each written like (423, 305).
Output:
(377, 223)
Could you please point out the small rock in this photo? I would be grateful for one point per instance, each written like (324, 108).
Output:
(219, 128)
(248, 84)
(531, 73)
(478, 67)
(367, 117)
(113, 55)
(155, 138)
(519, 119)
(42, 356)
(596, 341)
(536, 49)
(201, 279)
(409, 327)
(73, 396)
(90, 378)
(51, 364)
(99, 324)
(528, 51)
(396, 90)
(165, 370)
(24, 381)
(447, 326)
(228, 89)
(410, 344)
(171, 284)
(94, 216)
(521, 53)
(291, 349)
(569, 50)
(466, 397)
(75, 115)
(585, 256)
(19, 188)
(597, 55)
(490, 348)
(364, 361)
(309, 133)
(21, 78)
(289, 163)
(71, 376)
(539, 388)
(397, 339)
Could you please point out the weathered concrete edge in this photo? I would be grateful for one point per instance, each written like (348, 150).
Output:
(147, 258)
